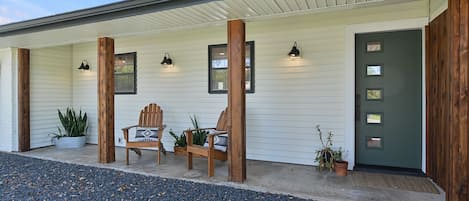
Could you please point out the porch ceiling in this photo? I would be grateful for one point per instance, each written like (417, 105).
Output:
(200, 15)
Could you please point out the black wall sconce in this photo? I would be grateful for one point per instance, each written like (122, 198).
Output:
(294, 52)
(84, 65)
(167, 61)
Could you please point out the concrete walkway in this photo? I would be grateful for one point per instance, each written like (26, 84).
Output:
(298, 180)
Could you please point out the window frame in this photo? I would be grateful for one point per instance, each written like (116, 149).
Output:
(252, 67)
(134, 92)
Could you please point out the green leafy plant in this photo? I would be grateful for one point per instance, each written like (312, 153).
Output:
(180, 141)
(337, 155)
(73, 124)
(198, 136)
(325, 156)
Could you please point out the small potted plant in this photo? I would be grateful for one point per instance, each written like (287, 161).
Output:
(199, 137)
(179, 143)
(325, 155)
(340, 165)
(74, 130)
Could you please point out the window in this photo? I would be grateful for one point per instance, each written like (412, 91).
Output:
(374, 46)
(374, 94)
(374, 118)
(218, 68)
(374, 70)
(125, 73)
(374, 142)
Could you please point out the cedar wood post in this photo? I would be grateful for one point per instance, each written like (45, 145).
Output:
(23, 101)
(458, 30)
(447, 89)
(437, 79)
(106, 147)
(236, 101)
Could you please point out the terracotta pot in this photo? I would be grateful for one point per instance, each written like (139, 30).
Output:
(180, 151)
(340, 168)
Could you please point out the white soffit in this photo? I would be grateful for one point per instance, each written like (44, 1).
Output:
(202, 15)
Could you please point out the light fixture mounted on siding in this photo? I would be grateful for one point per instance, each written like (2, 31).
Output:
(294, 52)
(167, 61)
(84, 65)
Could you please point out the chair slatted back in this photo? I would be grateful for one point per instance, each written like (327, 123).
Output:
(222, 124)
(151, 116)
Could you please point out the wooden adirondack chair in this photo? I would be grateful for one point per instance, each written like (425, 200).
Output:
(149, 131)
(210, 150)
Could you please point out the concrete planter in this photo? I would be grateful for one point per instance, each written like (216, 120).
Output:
(70, 142)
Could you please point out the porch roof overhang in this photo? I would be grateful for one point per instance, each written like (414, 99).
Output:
(149, 16)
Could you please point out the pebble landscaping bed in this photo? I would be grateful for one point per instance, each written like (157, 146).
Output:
(25, 178)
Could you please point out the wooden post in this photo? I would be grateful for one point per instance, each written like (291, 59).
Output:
(236, 101)
(23, 101)
(447, 91)
(458, 29)
(106, 100)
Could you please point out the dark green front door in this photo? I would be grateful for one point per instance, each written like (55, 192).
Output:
(388, 113)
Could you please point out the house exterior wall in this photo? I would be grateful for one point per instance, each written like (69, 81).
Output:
(8, 94)
(51, 89)
(291, 96)
(437, 7)
(85, 87)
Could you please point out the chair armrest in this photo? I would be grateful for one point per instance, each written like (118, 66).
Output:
(192, 130)
(217, 133)
(126, 132)
(189, 134)
(211, 138)
(160, 132)
(129, 127)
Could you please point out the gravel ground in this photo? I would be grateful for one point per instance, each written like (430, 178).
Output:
(25, 178)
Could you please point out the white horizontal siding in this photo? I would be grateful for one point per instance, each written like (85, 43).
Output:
(85, 92)
(51, 89)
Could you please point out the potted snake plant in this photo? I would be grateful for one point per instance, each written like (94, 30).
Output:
(72, 132)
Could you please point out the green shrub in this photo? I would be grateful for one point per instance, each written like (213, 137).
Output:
(325, 156)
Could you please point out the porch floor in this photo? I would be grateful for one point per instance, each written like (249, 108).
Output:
(298, 180)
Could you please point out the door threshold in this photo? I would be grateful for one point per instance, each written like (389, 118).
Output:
(389, 170)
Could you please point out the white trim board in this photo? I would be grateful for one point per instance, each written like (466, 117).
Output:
(350, 31)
